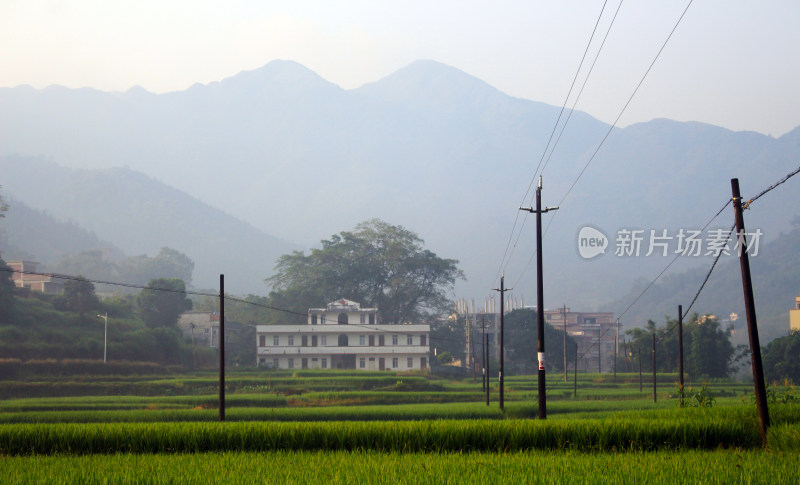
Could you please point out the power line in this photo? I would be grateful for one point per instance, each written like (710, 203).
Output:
(541, 159)
(195, 293)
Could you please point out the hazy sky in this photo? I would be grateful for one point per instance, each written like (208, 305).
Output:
(731, 63)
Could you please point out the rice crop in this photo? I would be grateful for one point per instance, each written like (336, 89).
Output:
(643, 434)
(534, 467)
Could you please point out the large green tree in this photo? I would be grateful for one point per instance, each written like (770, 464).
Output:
(6, 293)
(707, 348)
(782, 358)
(79, 296)
(520, 338)
(377, 264)
(162, 302)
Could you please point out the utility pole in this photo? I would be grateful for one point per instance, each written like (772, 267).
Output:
(680, 353)
(616, 344)
(575, 374)
(486, 347)
(639, 349)
(540, 296)
(502, 291)
(654, 368)
(750, 310)
(483, 352)
(222, 347)
(565, 343)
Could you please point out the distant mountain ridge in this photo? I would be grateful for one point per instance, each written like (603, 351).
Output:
(428, 147)
(141, 215)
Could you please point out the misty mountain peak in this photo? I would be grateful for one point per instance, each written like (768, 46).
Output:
(279, 74)
(431, 81)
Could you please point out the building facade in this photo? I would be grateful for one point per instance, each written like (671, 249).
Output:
(43, 282)
(594, 332)
(343, 336)
(794, 316)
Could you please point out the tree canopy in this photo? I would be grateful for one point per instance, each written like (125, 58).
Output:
(520, 338)
(79, 295)
(782, 358)
(376, 264)
(707, 348)
(162, 302)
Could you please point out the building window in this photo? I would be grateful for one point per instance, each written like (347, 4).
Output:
(394, 340)
(394, 362)
(324, 363)
(362, 340)
(410, 362)
(322, 319)
(363, 319)
(372, 319)
(409, 340)
(304, 341)
(362, 363)
(276, 363)
(423, 340)
(261, 361)
(342, 340)
(423, 363)
(275, 340)
(291, 363)
(262, 340)
(342, 320)
(380, 340)
(291, 340)
(324, 340)
(313, 319)
(313, 340)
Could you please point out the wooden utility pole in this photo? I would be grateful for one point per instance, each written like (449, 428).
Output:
(680, 353)
(655, 398)
(540, 297)
(639, 349)
(502, 291)
(222, 347)
(565, 343)
(750, 310)
(488, 379)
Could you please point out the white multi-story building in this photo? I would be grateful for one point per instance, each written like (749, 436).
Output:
(343, 336)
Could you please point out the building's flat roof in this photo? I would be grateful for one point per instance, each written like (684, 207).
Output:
(342, 328)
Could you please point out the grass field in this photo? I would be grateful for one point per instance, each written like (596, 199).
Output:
(341, 427)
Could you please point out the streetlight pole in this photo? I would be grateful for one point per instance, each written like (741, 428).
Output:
(105, 335)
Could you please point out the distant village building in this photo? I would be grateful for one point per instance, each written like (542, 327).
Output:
(201, 328)
(594, 332)
(43, 283)
(794, 316)
(343, 336)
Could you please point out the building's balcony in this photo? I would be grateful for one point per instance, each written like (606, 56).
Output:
(333, 350)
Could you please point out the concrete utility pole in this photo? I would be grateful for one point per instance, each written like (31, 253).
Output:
(540, 296)
(502, 291)
(750, 310)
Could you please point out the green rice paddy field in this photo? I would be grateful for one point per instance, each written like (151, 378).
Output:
(335, 427)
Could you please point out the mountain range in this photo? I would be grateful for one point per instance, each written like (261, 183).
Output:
(279, 154)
